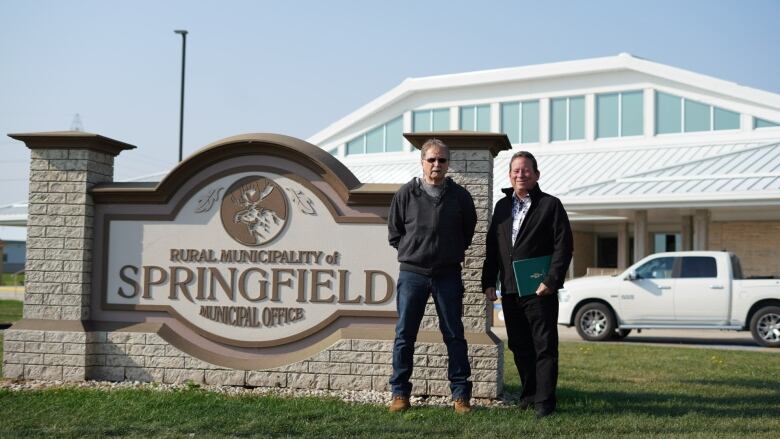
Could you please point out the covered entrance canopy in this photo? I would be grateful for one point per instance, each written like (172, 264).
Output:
(726, 199)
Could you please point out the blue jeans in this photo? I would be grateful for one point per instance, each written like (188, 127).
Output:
(413, 292)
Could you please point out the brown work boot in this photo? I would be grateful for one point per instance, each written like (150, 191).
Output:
(399, 404)
(462, 406)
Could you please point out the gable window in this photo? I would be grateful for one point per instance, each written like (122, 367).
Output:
(431, 120)
(763, 123)
(475, 118)
(668, 113)
(357, 145)
(384, 138)
(674, 114)
(520, 121)
(697, 116)
(567, 118)
(620, 114)
(725, 119)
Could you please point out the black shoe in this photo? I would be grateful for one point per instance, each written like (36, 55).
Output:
(544, 411)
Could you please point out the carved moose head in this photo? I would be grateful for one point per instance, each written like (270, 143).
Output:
(258, 219)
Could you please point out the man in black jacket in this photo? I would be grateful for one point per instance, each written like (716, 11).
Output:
(431, 223)
(529, 223)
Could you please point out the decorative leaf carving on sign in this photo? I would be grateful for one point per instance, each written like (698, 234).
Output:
(206, 203)
(301, 201)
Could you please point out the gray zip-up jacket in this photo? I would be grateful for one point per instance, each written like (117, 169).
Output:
(431, 234)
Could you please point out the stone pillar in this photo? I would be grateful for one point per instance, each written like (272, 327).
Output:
(478, 180)
(471, 166)
(701, 222)
(64, 166)
(622, 250)
(640, 235)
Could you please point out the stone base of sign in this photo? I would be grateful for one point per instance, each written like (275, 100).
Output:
(45, 355)
(348, 364)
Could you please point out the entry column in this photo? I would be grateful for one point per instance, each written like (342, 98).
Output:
(622, 250)
(686, 226)
(701, 222)
(640, 235)
(50, 342)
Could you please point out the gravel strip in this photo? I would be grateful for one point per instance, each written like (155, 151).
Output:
(350, 396)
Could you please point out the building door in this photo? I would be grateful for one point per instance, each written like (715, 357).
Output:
(606, 251)
(667, 242)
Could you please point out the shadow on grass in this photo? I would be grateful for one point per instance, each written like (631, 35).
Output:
(666, 404)
(756, 384)
(675, 404)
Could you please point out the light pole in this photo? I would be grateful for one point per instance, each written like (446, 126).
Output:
(183, 34)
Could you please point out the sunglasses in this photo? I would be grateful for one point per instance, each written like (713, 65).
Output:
(436, 159)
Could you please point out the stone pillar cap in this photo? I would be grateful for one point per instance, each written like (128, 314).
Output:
(72, 140)
(494, 142)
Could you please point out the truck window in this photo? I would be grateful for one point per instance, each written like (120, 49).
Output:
(659, 268)
(698, 266)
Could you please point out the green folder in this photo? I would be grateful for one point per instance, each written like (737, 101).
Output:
(529, 273)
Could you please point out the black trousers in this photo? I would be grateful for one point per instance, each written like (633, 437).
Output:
(531, 325)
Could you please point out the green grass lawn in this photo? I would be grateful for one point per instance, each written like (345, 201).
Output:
(10, 279)
(605, 390)
(10, 311)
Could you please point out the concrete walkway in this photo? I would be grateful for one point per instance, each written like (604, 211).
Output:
(11, 293)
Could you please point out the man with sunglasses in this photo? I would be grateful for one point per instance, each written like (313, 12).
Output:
(431, 223)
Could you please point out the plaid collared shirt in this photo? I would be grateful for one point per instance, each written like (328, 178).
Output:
(519, 210)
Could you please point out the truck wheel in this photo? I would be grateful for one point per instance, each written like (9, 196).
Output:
(765, 326)
(595, 322)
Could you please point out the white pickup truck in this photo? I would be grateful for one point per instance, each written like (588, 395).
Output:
(680, 290)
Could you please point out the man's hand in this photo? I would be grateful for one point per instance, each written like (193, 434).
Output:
(490, 294)
(544, 291)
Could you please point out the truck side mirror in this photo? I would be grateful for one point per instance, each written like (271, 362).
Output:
(631, 275)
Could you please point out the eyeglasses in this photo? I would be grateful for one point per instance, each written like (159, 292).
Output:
(436, 159)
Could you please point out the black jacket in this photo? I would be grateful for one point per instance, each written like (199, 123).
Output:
(431, 234)
(545, 231)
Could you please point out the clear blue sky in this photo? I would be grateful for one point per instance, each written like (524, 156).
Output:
(294, 67)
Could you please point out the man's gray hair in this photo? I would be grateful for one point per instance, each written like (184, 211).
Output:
(526, 155)
(433, 143)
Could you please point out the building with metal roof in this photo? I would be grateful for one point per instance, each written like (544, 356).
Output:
(632, 147)
(645, 157)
